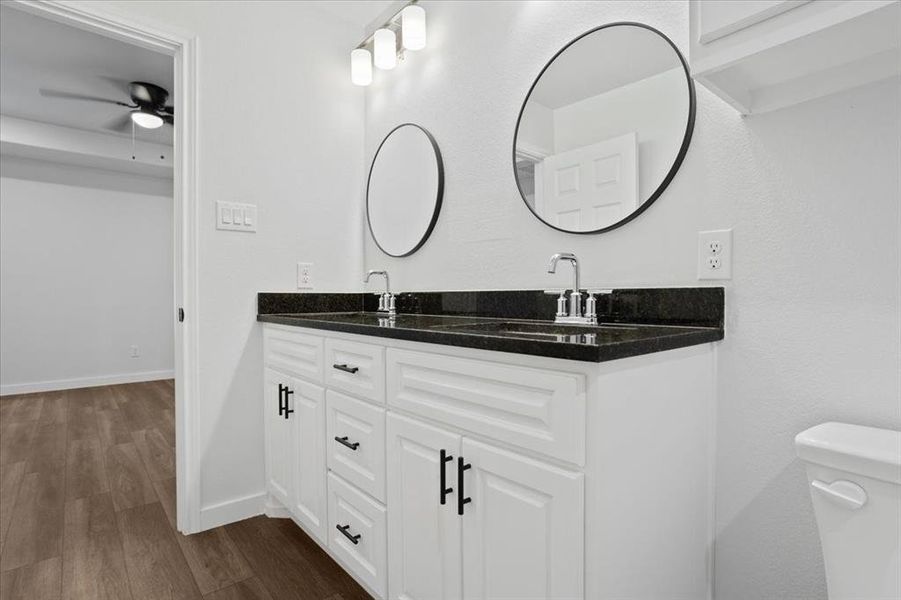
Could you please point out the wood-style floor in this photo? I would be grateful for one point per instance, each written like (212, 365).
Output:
(87, 511)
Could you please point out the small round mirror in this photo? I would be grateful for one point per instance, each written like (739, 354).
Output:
(403, 196)
(604, 128)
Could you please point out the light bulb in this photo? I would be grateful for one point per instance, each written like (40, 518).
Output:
(413, 27)
(385, 49)
(146, 120)
(361, 67)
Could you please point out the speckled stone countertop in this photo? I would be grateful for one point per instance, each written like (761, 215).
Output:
(632, 322)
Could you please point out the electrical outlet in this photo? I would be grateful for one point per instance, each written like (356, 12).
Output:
(305, 276)
(135, 353)
(715, 254)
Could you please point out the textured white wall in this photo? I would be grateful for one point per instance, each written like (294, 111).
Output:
(812, 192)
(85, 273)
(280, 126)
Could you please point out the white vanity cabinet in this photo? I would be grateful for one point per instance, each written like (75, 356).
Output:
(761, 55)
(449, 473)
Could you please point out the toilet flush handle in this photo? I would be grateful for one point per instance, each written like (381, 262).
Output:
(842, 492)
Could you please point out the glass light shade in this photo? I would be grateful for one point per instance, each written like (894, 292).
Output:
(385, 49)
(413, 24)
(146, 120)
(361, 67)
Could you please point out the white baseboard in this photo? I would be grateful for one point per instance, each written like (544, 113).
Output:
(83, 382)
(232, 511)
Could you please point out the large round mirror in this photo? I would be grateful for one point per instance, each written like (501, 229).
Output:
(604, 128)
(403, 196)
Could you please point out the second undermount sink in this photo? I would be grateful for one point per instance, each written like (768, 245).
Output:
(542, 330)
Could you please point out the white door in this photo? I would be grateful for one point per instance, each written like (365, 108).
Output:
(310, 498)
(424, 556)
(523, 528)
(279, 436)
(590, 187)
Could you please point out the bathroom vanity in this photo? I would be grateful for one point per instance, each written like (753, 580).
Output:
(467, 449)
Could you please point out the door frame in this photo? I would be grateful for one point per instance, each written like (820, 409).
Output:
(182, 47)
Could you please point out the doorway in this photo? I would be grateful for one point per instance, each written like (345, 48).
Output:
(158, 396)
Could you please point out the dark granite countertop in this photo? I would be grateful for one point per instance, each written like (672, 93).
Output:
(539, 338)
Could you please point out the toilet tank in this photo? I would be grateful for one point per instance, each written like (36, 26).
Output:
(854, 474)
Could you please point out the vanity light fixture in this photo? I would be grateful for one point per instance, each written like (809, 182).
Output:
(361, 67)
(385, 44)
(413, 27)
(405, 30)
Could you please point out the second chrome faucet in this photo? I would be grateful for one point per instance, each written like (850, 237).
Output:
(386, 300)
(573, 313)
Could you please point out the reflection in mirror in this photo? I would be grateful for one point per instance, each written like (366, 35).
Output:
(406, 184)
(604, 128)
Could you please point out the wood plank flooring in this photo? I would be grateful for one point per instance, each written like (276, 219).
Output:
(87, 511)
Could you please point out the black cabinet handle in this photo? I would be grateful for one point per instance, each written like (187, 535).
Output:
(355, 539)
(345, 368)
(462, 500)
(283, 393)
(343, 441)
(445, 458)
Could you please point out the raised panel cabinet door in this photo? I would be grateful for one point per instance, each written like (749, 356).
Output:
(523, 533)
(424, 536)
(311, 498)
(279, 436)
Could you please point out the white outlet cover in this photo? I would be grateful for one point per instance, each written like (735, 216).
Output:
(304, 276)
(708, 241)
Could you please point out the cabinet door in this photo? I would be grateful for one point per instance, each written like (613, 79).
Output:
(523, 528)
(310, 498)
(279, 437)
(424, 560)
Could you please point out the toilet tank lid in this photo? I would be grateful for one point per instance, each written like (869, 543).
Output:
(867, 451)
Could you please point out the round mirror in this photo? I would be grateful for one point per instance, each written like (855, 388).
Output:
(604, 128)
(403, 196)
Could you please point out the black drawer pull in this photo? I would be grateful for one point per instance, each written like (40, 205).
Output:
(355, 539)
(462, 500)
(345, 368)
(343, 441)
(445, 458)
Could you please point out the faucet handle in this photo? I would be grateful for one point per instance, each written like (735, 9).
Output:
(591, 303)
(561, 301)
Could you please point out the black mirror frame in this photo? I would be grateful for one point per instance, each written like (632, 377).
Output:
(438, 200)
(686, 140)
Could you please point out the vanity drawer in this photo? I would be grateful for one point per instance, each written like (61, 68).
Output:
(539, 409)
(356, 368)
(356, 442)
(293, 352)
(363, 549)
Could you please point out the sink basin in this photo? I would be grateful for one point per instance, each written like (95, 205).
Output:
(549, 331)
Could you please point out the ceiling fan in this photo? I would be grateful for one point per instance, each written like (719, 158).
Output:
(149, 109)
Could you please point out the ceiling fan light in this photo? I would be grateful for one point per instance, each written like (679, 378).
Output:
(147, 120)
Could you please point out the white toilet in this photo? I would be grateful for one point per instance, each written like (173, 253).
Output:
(855, 481)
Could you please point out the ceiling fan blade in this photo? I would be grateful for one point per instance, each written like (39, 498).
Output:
(121, 124)
(70, 96)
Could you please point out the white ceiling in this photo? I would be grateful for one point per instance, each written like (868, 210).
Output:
(39, 53)
(602, 61)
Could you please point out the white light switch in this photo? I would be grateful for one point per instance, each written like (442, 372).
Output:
(233, 216)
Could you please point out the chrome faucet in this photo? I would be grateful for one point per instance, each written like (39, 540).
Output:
(575, 297)
(573, 312)
(386, 300)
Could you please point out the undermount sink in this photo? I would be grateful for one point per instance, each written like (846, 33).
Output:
(549, 330)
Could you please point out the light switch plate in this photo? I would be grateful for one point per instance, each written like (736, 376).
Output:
(715, 254)
(234, 216)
